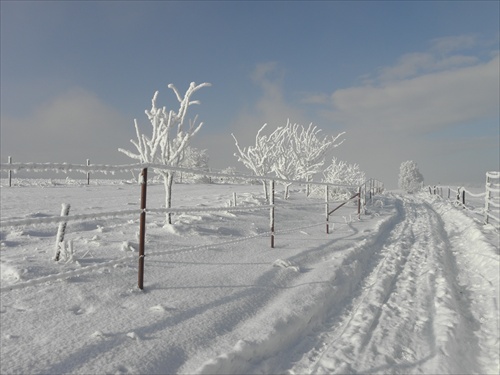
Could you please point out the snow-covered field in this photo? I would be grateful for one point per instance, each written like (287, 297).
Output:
(411, 287)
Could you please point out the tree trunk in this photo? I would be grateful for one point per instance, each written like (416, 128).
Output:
(266, 194)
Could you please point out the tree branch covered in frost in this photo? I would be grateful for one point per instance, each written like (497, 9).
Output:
(291, 152)
(299, 153)
(194, 159)
(257, 158)
(169, 136)
(341, 172)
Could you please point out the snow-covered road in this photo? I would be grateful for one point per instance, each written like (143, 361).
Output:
(421, 309)
(412, 287)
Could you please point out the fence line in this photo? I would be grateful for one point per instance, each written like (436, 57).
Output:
(491, 195)
(369, 187)
(103, 168)
(130, 258)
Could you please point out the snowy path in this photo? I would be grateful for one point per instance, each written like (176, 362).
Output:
(404, 301)
(413, 313)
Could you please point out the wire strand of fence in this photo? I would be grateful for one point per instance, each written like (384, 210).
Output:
(480, 195)
(132, 257)
(60, 219)
(493, 189)
(160, 253)
(494, 204)
(100, 168)
(208, 209)
(460, 189)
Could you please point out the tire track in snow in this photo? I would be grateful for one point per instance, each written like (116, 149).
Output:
(411, 316)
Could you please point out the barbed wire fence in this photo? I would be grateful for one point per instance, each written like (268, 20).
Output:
(365, 192)
(461, 195)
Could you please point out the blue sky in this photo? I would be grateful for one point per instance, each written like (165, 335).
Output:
(408, 80)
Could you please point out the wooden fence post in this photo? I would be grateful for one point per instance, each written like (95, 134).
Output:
(272, 214)
(88, 172)
(61, 230)
(10, 172)
(487, 199)
(142, 227)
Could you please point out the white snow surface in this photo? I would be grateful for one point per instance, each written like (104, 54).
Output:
(410, 287)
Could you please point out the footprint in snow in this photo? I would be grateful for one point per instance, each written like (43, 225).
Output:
(161, 308)
(286, 264)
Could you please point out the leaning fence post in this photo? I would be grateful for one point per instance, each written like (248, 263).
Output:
(142, 226)
(272, 214)
(61, 231)
(10, 172)
(326, 209)
(88, 172)
(463, 197)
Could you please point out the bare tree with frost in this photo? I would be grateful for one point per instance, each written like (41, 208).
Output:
(342, 173)
(194, 158)
(257, 158)
(169, 138)
(300, 152)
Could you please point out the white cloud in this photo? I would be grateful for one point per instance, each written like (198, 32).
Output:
(71, 127)
(424, 103)
(413, 64)
(435, 107)
(449, 44)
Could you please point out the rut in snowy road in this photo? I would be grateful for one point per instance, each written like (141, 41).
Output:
(416, 310)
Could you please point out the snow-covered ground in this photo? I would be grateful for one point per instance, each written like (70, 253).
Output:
(411, 287)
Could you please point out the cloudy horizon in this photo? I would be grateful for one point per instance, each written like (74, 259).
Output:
(423, 89)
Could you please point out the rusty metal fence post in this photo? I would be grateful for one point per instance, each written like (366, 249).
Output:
(10, 172)
(326, 210)
(359, 202)
(142, 226)
(272, 214)
(88, 172)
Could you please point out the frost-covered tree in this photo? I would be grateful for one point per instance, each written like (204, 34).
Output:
(342, 173)
(257, 158)
(169, 137)
(299, 153)
(194, 158)
(292, 152)
(410, 178)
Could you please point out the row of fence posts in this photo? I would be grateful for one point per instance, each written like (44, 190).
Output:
(437, 190)
(142, 223)
(10, 172)
(460, 198)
